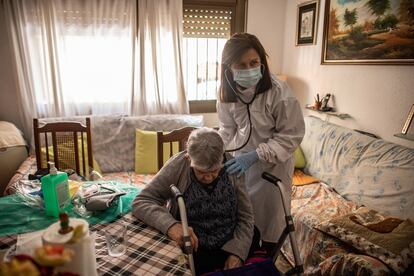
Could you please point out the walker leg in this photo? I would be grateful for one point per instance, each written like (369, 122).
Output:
(289, 229)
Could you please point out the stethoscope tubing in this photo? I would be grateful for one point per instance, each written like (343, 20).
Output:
(248, 112)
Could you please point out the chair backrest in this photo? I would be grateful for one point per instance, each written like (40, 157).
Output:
(178, 135)
(67, 144)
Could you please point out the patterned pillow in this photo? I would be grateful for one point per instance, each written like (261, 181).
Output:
(394, 248)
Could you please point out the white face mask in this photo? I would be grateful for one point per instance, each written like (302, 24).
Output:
(247, 77)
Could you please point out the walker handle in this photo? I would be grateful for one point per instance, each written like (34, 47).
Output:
(271, 178)
(175, 191)
(186, 236)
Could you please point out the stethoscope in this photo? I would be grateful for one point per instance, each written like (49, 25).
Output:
(247, 107)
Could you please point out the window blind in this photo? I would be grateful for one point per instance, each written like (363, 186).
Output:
(208, 22)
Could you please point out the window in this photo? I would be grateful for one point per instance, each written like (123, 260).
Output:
(207, 25)
(85, 71)
(79, 57)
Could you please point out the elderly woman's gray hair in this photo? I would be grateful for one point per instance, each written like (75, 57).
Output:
(205, 148)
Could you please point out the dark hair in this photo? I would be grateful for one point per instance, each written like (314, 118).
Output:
(234, 48)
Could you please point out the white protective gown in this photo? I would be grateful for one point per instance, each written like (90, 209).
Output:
(278, 129)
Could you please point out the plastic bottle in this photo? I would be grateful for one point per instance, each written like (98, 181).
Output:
(55, 190)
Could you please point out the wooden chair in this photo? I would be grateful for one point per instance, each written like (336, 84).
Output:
(179, 136)
(67, 144)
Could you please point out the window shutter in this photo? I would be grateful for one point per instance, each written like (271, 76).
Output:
(212, 22)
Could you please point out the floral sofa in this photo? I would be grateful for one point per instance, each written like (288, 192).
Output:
(113, 144)
(358, 218)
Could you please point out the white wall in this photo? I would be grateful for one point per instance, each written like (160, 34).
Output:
(377, 97)
(266, 20)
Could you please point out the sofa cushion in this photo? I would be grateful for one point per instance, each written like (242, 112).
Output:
(395, 248)
(146, 151)
(363, 169)
(300, 161)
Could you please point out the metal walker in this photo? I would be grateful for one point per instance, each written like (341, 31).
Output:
(288, 231)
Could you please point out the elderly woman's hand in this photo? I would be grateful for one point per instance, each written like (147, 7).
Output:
(232, 262)
(175, 233)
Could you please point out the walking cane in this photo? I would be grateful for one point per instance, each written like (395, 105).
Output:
(188, 249)
(289, 229)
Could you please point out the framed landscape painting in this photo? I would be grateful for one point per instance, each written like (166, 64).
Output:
(307, 21)
(368, 32)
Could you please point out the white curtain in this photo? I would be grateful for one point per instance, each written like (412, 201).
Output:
(158, 58)
(76, 57)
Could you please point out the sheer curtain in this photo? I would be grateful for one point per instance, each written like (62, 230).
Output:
(76, 57)
(158, 58)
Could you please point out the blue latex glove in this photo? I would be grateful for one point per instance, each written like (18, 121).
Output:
(241, 163)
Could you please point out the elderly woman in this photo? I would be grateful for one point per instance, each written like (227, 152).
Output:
(219, 211)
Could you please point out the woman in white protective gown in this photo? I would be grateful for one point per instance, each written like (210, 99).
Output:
(262, 122)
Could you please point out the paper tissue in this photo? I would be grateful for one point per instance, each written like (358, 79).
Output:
(73, 234)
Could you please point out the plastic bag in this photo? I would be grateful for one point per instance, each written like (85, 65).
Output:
(94, 197)
(29, 193)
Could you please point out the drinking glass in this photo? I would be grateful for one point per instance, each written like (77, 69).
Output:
(115, 240)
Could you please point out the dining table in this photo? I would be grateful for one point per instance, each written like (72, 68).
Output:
(149, 252)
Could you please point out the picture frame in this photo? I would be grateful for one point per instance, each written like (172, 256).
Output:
(368, 32)
(307, 22)
(408, 120)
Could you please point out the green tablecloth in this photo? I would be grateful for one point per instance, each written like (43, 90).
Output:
(17, 217)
